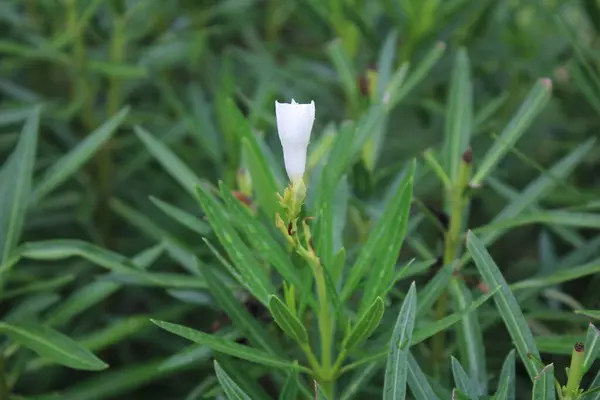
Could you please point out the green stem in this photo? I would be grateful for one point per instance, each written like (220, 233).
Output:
(450, 250)
(325, 327)
(79, 76)
(328, 386)
(104, 157)
(452, 242)
(312, 360)
(326, 372)
(338, 362)
(575, 372)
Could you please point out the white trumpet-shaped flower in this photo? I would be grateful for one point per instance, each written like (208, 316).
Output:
(294, 124)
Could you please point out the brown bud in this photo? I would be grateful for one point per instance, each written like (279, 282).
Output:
(242, 197)
(363, 85)
(467, 156)
(483, 287)
(579, 347)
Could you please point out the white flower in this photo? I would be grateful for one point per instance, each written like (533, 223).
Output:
(294, 124)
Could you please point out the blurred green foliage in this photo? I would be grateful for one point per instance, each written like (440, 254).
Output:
(138, 101)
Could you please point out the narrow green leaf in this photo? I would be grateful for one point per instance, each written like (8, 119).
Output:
(540, 187)
(592, 347)
(366, 325)
(319, 393)
(386, 61)
(169, 161)
(487, 111)
(60, 249)
(427, 330)
(462, 380)
(12, 115)
(80, 300)
(228, 347)
(567, 234)
(469, 334)
(506, 383)
(370, 122)
(392, 92)
(562, 275)
(558, 344)
(51, 344)
(459, 114)
(194, 354)
(255, 278)
(534, 103)
(240, 317)
(290, 388)
(53, 284)
(76, 158)
(434, 289)
(590, 313)
(138, 219)
(384, 242)
(562, 218)
(232, 390)
(543, 384)
(95, 292)
(15, 186)
(502, 392)
(344, 68)
(288, 323)
(595, 386)
(259, 237)
(359, 381)
(418, 383)
(507, 304)
(383, 268)
(419, 73)
(396, 370)
(458, 395)
(117, 383)
(340, 157)
(188, 220)
(436, 168)
(30, 307)
(264, 183)
(424, 333)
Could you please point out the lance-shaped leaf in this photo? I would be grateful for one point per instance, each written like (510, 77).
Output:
(53, 345)
(506, 303)
(227, 346)
(531, 107)
(543, 384)
(592, 347)
(288, 323)
(247, 265)
(506, 385)
(15, 186)
(462, 380)
(232, 390)
(366, 325)
(396, 371)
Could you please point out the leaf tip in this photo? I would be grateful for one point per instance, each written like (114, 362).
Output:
(547, 82)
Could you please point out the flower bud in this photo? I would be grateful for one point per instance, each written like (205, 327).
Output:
(294, 124)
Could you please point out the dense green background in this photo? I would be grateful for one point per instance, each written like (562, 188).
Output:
(176, 63)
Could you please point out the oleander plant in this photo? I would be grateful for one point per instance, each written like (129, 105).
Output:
(299, 199)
